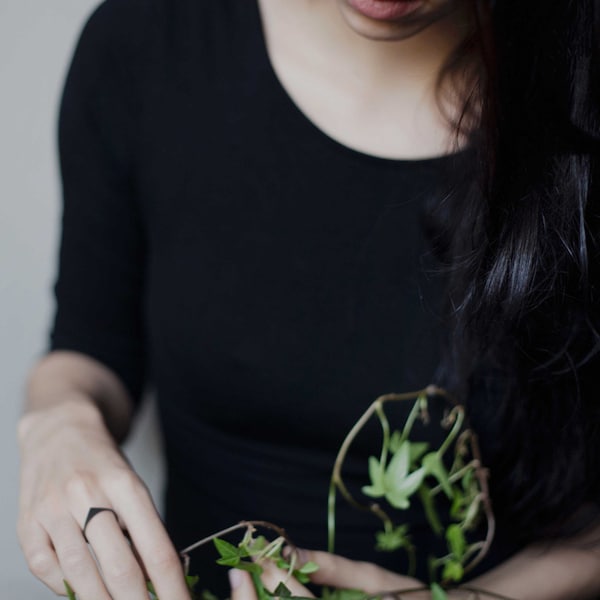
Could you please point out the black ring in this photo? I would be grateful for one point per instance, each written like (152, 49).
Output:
(91, 514)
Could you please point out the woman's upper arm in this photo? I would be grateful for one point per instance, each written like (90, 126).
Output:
(102, 250)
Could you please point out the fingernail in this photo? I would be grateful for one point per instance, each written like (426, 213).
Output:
(301, 555)
(235, 578)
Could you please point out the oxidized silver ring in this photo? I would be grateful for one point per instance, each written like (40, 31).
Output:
(91, 514)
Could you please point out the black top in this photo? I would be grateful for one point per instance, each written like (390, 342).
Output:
(268, 281)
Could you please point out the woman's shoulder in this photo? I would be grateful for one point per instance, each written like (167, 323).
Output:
(129, 18)
(142, 31)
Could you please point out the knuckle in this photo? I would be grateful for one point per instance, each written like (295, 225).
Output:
(163, 561)
(120, 573)
(79, 485)
(122, 478)
(73, 560)
(49, 513)
(39, 511)
(40, 564)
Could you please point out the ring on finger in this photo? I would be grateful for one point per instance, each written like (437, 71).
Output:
(92, 512)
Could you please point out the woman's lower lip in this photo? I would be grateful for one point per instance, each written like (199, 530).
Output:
(384, 10)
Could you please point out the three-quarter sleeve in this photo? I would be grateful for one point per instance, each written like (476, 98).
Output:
(101, 264)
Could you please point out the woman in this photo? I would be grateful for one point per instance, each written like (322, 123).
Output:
(245, 192)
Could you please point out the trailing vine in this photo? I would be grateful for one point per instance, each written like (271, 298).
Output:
(405, 470)
(408, 469)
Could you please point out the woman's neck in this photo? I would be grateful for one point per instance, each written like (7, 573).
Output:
(376, 96)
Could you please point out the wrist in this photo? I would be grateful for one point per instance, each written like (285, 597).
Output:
(77, 410)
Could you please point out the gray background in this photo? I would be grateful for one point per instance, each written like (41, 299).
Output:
(36, 42)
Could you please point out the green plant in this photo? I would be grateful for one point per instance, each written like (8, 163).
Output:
(251, 552)
(405, 470)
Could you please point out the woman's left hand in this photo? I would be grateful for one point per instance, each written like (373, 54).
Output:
(334, 571)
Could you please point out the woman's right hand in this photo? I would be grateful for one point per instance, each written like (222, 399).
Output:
(70, 463)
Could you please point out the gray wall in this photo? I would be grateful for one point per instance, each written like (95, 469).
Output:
(36, 41)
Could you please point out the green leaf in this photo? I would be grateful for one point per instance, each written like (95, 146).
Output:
(453, 571)
(206, 595)
(456, 541)
(376, 489)
(70, 592)
(437, 593)
(388, 541)
(395, 441)
(430, 511)
(250, 567)
(468, 479)
(309, 567)
(282, 591)
(302, 573)
(397, 470)
(232, 561)
(472, 513)
(417, 449)
(398, 496)
(231, 556)
(338, 594)
(372, 491)
(457, 510)
(434, 466)
(258, 544)
(261, 592)
(191, 581)
(301, 577)
(225, 549)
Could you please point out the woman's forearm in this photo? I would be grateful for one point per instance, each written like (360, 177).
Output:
(565, 570)
(562, 571)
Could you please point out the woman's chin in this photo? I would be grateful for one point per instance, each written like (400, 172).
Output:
(393, 20)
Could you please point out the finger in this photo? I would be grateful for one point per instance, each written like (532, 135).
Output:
(337, 571)
(121, 573)
(101, 517)
(161, 560)
(241, 585)
(40, 556)
(76, 562)
(272, 576)
(120, 569)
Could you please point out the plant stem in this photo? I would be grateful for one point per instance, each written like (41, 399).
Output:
(412, 560)
(337, 481)
(455, 476)
(241, 525)
(385, 426)
(410, 420)
(482, 476)
(459, 417)
(331, 516)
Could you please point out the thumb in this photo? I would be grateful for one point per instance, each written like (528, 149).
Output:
(241, 585)
(339, 572)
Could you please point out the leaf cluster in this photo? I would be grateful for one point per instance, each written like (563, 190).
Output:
(411, 469)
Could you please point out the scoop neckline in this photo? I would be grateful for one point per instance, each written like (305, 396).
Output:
(321, 135)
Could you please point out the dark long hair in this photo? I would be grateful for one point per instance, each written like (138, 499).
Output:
(521, 243)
